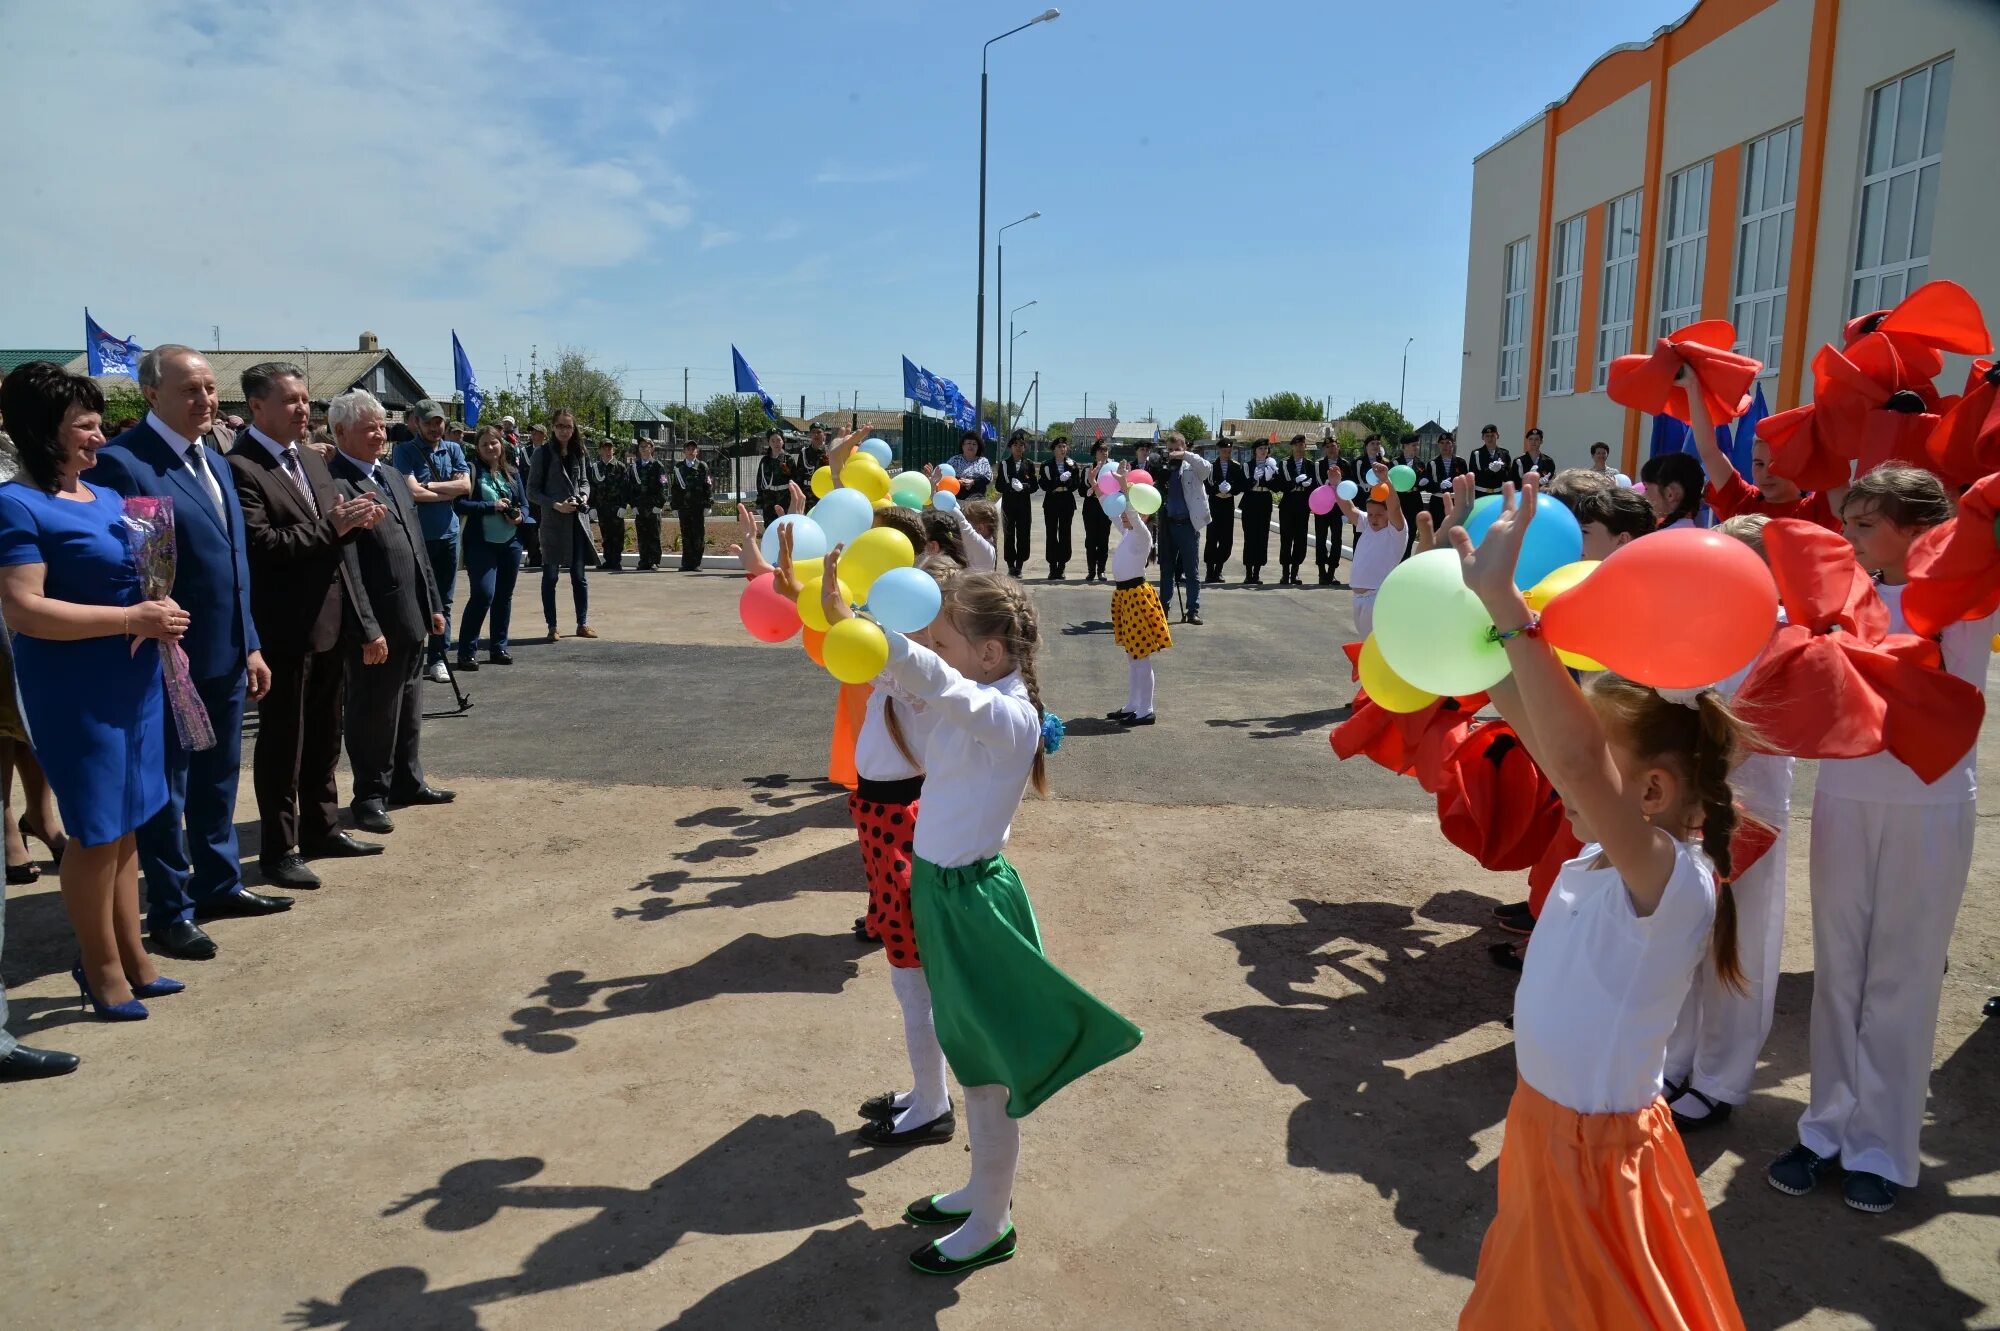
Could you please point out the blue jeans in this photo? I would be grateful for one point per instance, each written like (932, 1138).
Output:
(490, 570)
(1180, 560)
(188, 849)
(444, 569)
(577, 556)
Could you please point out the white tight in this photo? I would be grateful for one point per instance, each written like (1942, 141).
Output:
(929, 1096)
(1139, 691)
(989, 1194)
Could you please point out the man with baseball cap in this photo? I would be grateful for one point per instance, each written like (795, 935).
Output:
(438, 476)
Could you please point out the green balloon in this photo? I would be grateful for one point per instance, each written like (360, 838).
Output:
(1433, 631)
(1401, 478)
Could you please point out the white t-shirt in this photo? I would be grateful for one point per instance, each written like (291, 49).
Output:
(1128, 561)
(876, 757)
(1881, 778)
(1377, 551)
(1602, 988)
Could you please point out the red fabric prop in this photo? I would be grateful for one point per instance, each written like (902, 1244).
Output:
(1493, 801)
(1966, 443)
(1647, 383)
(1937, 316)
(1864, 412)
(1353, 650)
(1750, 842)
(1835, 683)
(1404, 743)
(1954, 568)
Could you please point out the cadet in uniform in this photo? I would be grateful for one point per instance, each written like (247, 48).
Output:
(649, 496)
(1225, 482)
(1062, 481)
(610, 491)
(776, 471)
(1017, 485)
(692, 489)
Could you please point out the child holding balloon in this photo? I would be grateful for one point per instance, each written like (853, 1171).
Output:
(1138, 619)
(1601, 1219)
(1379, 544)
(1014, 1028)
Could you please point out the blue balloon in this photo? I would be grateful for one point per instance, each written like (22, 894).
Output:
(844, 515)
(808, 538)
(1113, 505)
(944, 501)
(1108, 469)
(946, 469)
(1552, 540)
(1347, 490)
(878, 450)
(904, 599)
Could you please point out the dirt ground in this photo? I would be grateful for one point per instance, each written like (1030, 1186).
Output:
(583, 1049)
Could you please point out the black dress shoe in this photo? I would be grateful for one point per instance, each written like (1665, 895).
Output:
(369, 817)
(341, 846)
(1131, 721)
(289, 871)
(241, 904)
(465, 663)
(26, 1064)
(422, 795)
(1191, 619)
(185, 941)
(499, 658)
(931, 1262)
(882, 1132)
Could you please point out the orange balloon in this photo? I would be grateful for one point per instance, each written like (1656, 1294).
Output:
(1677, 610)
(1380, 494)
(815, 642)
(948, 484)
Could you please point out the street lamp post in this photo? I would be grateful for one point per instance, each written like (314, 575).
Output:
(979, 317)
(999, 302)
(1403, 391)
(1006, 419)
(1012, 338)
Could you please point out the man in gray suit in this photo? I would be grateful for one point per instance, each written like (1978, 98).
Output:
(384, 705)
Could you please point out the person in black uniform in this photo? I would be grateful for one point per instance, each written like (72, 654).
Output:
(1329, 468)
(690, 491)
(776, 471)
(1096, 527)
(649, 496)
(811, 458)
(1299, 474)
(1490, 463)
(1062, 482)
(1414, 499)
(1436, 477)
(1224, 483)
(1262, 481)
(1017, 483)
(1532, 459)
(610, 492)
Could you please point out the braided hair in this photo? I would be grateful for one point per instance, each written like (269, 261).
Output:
(986, 606)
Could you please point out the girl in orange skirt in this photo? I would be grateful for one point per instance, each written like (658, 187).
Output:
(1601, 1222)
(1138, 623)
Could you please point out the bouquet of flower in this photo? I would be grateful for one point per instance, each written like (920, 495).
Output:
(149, 531)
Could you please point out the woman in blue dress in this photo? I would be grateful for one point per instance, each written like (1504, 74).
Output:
(87, 663)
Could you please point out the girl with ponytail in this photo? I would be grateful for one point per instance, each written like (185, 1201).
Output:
(1599, 1207)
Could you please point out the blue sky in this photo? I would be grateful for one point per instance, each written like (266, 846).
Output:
(1235, 198)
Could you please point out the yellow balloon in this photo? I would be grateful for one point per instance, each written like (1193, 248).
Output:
(1386, 688)
(822, 482)
(865, 474)
(1555, 584)
(873, 553)
(811, 612)
(881, 504)
(856, 650)
(802, 569)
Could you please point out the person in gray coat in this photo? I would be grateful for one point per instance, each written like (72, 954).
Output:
(559, 488)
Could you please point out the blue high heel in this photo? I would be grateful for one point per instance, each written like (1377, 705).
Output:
(133, 1010)
(157, 988)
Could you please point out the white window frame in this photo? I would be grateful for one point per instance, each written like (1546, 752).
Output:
(1619, 290)
(1767, 208)
(1684, 245)
(1565, 304)
(1515, 262)
(1879, 281)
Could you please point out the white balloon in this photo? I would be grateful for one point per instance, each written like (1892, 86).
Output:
(1624, 481)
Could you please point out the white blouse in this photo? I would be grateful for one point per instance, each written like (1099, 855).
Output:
(1128, 561)
(980, 556)
(876, 757)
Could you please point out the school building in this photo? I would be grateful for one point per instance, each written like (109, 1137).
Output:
(1784, 164)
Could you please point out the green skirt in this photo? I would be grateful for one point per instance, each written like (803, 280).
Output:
(1004, 1014)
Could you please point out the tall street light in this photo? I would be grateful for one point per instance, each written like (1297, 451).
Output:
(1006, 417)
(999, 300)
(1404, 390)
(1012, 338)
(979, 317)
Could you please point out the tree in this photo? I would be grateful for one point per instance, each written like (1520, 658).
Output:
(1382, 419)
(1111, 408)
(577, 384)
(1057, 430)
(1192, 426)
(1286, 406)
(123, 402)
(718, 417)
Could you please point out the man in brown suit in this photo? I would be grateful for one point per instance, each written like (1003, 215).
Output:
(309, 604)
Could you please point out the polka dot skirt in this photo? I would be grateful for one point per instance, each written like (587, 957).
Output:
(887, 852)
(1137, 622)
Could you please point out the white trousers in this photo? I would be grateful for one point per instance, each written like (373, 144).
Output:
(1886, 883)
(1364, 613)
(1715, 1044)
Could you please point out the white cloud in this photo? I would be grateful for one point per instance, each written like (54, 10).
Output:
(715, 237)
(669, 115)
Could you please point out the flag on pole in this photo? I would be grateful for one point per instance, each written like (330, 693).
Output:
(1738, 448)
(465, 381)
(748, 382)
(109, 355)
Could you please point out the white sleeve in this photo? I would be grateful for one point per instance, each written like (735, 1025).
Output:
(993, 719)
(980, 556)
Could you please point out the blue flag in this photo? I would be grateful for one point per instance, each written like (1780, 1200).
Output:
(465, 380)
(1738, 448)
(108, 354)
(747, 382)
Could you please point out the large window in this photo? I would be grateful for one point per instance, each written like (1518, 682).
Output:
(1899, 187)
(1764, 244)
(1686, 239)
(1565, 304)
(1513, 318)
(1621, 281)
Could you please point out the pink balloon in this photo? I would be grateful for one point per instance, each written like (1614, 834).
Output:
(1321, 500)
(1140, 476)
(770, 615)
(1107, 484)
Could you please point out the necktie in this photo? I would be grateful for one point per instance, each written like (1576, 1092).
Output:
(297, 472)
(199, 466)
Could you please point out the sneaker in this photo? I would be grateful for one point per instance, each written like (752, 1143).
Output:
(436, 673)
(1797, 1172)
(1868, 1192)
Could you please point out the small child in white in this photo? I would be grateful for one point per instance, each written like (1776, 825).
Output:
(1138, 622)
(1379, 542)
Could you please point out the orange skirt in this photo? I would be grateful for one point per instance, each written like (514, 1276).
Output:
(849, 711)
(1601, 1225)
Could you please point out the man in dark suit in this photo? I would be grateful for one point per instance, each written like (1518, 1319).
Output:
(1490, 463)
(1225, 482)
(692, 489)
(385, 714)
(308, 602)
(1299, 474)
(188, 849)
(1062, 482)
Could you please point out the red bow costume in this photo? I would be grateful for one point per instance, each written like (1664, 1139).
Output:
(1406, 743)
(1966, 443)
(1648, 383)
(1935, 318)
(1493, 801)
(1955, 567)
(1835, 683)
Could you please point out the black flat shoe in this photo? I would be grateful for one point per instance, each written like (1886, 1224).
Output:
(26, 1064)
(878, 1132)
(1504, 956)
(465, 663)
(1121, 715)
(241, 904)
(499, 658)
(369, 817)
(861, 931)
(1131, 721)
(1512, 909)
(421, 795)
(931, 1262)
(341, 846)
(289, 871)
(186, 941)
(1718, 1112)
(926, 1211)
(882, 1106)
